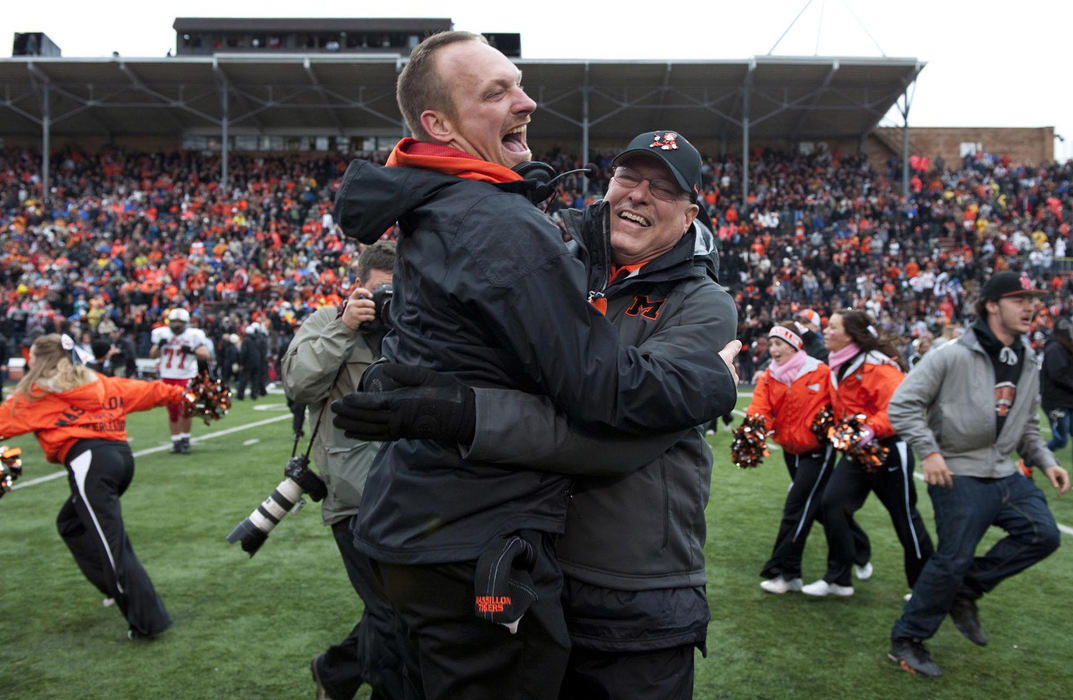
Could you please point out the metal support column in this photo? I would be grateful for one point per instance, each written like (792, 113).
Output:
(46, 146)
(905, 152)
(744, 162)
(907, 102)
(746, 95)
(905, 156)
(225, 118)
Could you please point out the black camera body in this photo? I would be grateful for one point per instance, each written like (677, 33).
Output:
(298, 470)
(381, 299)
(285, 498)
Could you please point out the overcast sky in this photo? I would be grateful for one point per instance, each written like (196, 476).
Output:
(988, 63)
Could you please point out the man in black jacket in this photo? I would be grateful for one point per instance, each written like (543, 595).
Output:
(124, 360)
(253, 358)
(486, 292)
(634, 595)
(808, 322)
(1056, 382)
(228, 358)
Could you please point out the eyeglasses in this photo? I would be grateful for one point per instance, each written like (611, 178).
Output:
(666, 190)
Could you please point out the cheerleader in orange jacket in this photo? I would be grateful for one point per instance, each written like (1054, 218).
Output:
(79, 418)
(788, 395)
(864, 375)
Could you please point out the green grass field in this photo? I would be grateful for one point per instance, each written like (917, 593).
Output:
(246, 628)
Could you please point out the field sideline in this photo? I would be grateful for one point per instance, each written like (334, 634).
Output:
(246, 628)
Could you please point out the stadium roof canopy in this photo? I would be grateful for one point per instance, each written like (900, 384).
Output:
(765, 97)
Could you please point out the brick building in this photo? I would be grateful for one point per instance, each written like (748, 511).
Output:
(1021, 145)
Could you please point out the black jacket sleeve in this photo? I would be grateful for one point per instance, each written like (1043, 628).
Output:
(525, 430)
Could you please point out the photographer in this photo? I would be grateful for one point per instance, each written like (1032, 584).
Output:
(123, 357)
(325, 361)
(102, 357)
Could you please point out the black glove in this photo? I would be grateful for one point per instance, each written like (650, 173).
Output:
(162, 342)
(374, 379)
(187, 350)
(418, 403)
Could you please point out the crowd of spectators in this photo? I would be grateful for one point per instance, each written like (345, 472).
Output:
(828, 232)
(127, 236)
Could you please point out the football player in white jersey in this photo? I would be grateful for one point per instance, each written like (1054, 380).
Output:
(179, 348)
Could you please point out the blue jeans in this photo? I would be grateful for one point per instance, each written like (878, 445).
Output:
(1060, 428)
(962, 515)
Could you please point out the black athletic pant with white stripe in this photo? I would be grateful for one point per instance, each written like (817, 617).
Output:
(892, 483)
(809, 473)
(91, 525)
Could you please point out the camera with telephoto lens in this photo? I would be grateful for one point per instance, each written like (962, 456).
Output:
(287, 497)
(382, 301)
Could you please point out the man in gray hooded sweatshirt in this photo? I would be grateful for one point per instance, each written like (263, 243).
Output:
(964, 408)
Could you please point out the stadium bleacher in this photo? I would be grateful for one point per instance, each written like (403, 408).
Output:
(129, 235)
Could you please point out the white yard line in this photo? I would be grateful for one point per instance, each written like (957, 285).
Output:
(161, 448)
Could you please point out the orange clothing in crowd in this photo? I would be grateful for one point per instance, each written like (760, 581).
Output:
(97, 410)
(789, 409)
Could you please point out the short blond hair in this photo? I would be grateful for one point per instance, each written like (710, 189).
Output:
(420, 85)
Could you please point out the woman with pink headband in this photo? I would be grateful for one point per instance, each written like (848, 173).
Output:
(788, 395)
(865, 370)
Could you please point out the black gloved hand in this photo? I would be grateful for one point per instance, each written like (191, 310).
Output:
(162, 342)
(187, 350)
(374, 379)
(418, 403)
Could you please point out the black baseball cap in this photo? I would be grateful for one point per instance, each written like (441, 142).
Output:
(678, 154)
(1008, 284)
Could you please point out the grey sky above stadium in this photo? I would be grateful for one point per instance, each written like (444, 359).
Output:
(989, 63)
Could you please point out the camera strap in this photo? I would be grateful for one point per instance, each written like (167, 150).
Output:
(316, 424)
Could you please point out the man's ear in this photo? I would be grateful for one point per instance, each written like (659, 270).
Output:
(437, 125)
(691, 213)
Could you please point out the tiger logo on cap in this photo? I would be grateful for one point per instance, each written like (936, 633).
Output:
(667, 141)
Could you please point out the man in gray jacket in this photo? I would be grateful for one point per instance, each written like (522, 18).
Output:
(323, 362)
(633, 550)
(964, 408)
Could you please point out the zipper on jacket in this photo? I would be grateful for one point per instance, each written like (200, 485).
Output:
(666, 503)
